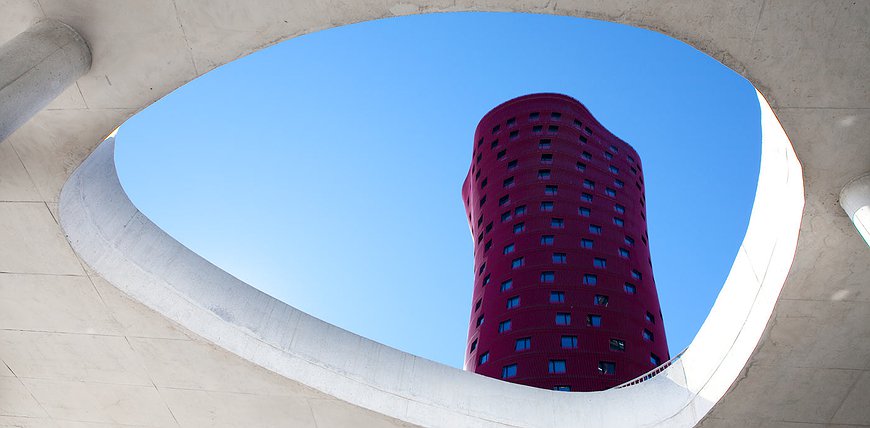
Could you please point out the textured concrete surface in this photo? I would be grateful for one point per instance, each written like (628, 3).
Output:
(77, 352)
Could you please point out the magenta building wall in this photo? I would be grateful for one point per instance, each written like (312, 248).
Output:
(564, 296)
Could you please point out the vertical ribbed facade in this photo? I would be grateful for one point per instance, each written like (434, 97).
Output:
(564, 296)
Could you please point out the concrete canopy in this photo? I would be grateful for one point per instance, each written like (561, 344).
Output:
(76, 350)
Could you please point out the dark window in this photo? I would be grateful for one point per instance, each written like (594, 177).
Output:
(496, 128)
(614, 148)
(537, 129)
(588, 131)
(488, 227)
(488, 245)
(504, 326)
(547, 206)
(587, 155)
(577, 123)
(552, 129)
(512, 164)
(506, 285)
(555, 115)
(483, 183)
(513, 302)
(508, 249)
(584, 212)
(477, 305)
(586, 243)
(480, 142)
(630, 159)
(551, 190)
(494, 144)
(556, 366)
(606, 367)
(562, 388)
(547, 239)
(482, 200)
(557, 297)
(629, 240)
(520, 210)
(557, 223)
(636, 274)
(473, 346)
(569, 342)
(618, 183)
(617, 345)
(544, 144)
(624, 253)
(593, 320)
(485, 280)
(560, 258)
(514, 135)
(610, 192)
(500, 155)
(482, 267)
(648, 335)
(563, 318)
(586, 197)
(614, 169)
(581, 166)
(512, 121)
(608, 155)
(594, 229)
(534, 116)
(543, 174)
(509, 371)
(650, 318)
(519, 227)
(483, 358)
(505, 216)
(516, 263)
(629, 288)
(548, 276)
(523, 344)
(583, 139)
(590, 279)
(600, 300)
(654, 359)
(619, 208)
(479, 320)
(504, 200)
(547, 158)
(618, 221)
(589, 184)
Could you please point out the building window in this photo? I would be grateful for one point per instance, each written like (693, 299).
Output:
(534, 116)
(543, 174)
(618, 183)
(594, 229)
(583, 139)
(484, 183)
(636, 274)
(654, 359)
(557, 297)
(633, 171)
(485, 280)
(619, 208)
(512, 121)
(513, 302)
(482, 267)
(650, 318)
(552, 129)
(610, 192)
(505, 216)
(551, 189)
(547, 206)
(584, 212)
(488, 227)
(473, 346)
(614, 169)
(544, 143)
(586, 197)
(523, 344)
(593, 320)
(547, 158)
(482, 200)
(624, 253)
(606, 367)
(563, 318)
(512, 165)
(614, 148)
(508, 249)
(581, 166)
(629, 240)
(479, 320)
(509, 371)
(508, 182)
(557, 223)
(537, 129)
(630, 159)
(494, 144)
(519, 227)
(648, 335)
(504, 326)
(589, 184)
(600, 300)
(477, 305)
(562, 388)
(506, 285)
(577, 123)
(586, 243)
(569, 342)
(617, 345)
(556, 366)
(590, 279)
(608, 155)
(504, 200)
(496, 128)
(555, 115)
(547, 239)
(586, 155)
(487, 246)
(514, 135)
(517, 262)
(618, 221)
(629, 288)
(588, 131)
(548, 276)
(560, 258)
(483, 358)
(520, 210)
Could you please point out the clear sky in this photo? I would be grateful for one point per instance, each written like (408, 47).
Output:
(326, 170)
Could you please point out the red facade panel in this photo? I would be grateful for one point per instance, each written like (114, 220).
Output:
(556, 207)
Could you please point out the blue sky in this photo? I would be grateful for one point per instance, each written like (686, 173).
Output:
(326, 170)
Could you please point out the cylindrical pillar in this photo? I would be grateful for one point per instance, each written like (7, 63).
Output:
(35, 67)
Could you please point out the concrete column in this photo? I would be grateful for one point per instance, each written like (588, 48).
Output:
(35, 67)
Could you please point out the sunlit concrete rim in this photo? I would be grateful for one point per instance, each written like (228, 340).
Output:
(123, 246)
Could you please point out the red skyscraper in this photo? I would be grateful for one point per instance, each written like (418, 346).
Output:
(564, 296)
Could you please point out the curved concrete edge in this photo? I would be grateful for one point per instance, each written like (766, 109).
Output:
(128, 250)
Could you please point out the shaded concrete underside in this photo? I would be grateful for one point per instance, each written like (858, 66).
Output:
(75, 351)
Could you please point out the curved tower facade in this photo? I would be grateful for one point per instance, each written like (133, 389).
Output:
(564, 296)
